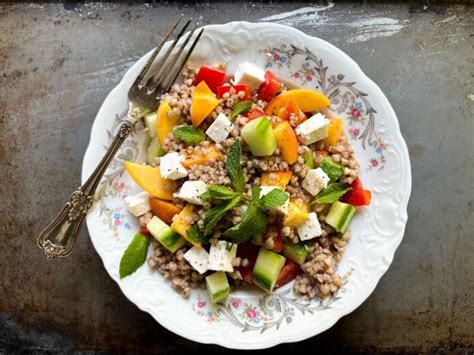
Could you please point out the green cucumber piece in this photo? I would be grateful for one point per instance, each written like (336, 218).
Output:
(154, 150)
(332, 169)
(267, 269)
(259, 136)
(308, 160)
(164, 234)
(340, 215)
(150, 123)
(217, 286)
(295, 252)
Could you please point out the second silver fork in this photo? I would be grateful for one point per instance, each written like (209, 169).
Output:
(58, 238)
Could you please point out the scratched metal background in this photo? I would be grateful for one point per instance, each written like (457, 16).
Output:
(57, 64)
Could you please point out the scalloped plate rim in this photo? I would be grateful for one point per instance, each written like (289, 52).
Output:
(86, 170)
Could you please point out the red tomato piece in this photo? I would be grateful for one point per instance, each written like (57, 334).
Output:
(255, 113)
(144, 230)
(269, 87)
(278, 247)
(211, 76)
(357, 196)
(357, 184)
(288, 273)
(249, 251)
(221, 90)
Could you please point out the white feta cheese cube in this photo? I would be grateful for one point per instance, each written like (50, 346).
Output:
(220, 128)
(191, 191)
(249, 74)
(266, 189)
(315, 181)
(310, 228)
(313, 129)
(221, 256)
(138, 204)
(171, 167)
(198, 258)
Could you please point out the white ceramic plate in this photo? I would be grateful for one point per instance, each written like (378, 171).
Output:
(251, 319)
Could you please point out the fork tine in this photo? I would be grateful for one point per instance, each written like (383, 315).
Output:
(156, 51)
(151, 83)
(168, 85)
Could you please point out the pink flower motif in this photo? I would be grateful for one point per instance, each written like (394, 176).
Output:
(296, 75)
(309, 77)
(355, 113)
(354, 132)
(276, 56)
(117, 222)
(374, 163)
(236, 303)
(251, 313)
(201, 304)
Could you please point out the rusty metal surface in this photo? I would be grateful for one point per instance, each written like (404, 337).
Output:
(57, 64)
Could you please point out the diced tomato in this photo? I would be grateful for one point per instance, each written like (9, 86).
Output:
(249, 251)
(211, 76)
(278, 247)
(255, 113)
(289, 272)
(144, 231)
(221, 90)
(357, 196)
(292, 108)
(269, 88)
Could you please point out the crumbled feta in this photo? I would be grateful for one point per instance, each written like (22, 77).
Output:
(315, 181)
(249, 74)
(266, 189)
(171, 167)
(310, 228)
(221, 256)
(138, 204)
(220, 128)
(313, 129)
(191, 191)
(198, 258)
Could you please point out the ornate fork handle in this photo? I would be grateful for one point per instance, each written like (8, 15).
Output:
(58, 238)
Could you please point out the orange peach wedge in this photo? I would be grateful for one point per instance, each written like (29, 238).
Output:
(150, 180)
(287, 141)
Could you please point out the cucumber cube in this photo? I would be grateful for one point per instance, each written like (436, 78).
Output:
(217, 286)
(295, 252)
(340, 215)
(154, 150)
(164, 234)
(150, 123)
(267, 269)
(332, 169)
(259, 136)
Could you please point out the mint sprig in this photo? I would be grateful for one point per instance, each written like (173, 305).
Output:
(189, 134)
(254, 221)
(214, 214)
(195, 235)
(234, 167)
(134, 256)
(219, 193)
(331, 194)
(240, 108)
(275, 198)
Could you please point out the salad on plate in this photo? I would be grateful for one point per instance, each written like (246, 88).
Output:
(245, 181)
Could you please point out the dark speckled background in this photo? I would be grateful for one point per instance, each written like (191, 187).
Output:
(57, 64)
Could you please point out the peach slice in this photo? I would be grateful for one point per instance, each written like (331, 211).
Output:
(182, 222)
(286, 141)
(203, 103)
(165, 121)
(276, 178)
(150, 180)
(307, 100)
(163, 209)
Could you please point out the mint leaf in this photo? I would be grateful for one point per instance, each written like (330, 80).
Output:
(195, 235)
(256, 193)
(189, 134)
(240, 108)
(254, 221)
(308, 160)
(218, 193)
(332, 169)
(332, 193)
(134, 256)
(275, 198)
(214, 214)
(233, 167)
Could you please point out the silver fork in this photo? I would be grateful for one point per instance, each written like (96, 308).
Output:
(58, 238)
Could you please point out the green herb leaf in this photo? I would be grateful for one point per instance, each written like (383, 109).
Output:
(195, 235)
(275, 198)
(332, 169)
(308, 160)
(240, 108)
(189, 134)
(256, 193)
(234, 168)
(219, 193)
(254, 221)
(332, 193)
(134, 256)
(214, 214)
